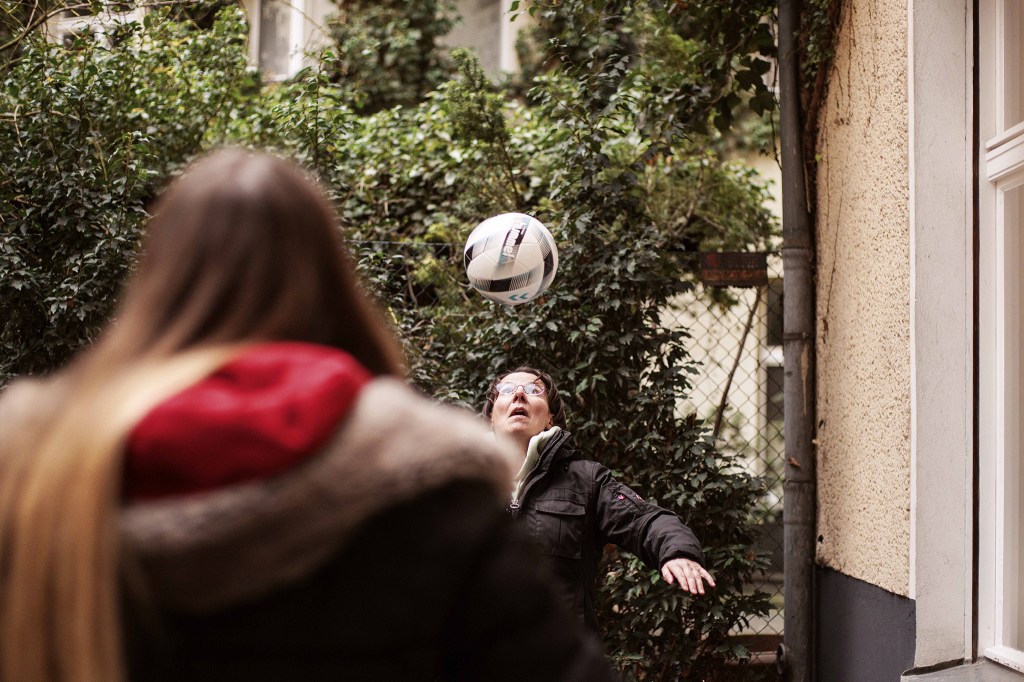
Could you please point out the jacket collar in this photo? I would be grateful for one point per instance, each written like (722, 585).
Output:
(557, 448)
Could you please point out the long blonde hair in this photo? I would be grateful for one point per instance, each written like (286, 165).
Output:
(243, 248)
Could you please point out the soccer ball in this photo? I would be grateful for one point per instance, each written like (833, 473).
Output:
(511, 258)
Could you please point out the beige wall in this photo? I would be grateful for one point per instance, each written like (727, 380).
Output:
(487, 27)
(863, 307)
(480, 29)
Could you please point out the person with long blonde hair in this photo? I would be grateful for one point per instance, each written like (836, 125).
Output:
(234, 482)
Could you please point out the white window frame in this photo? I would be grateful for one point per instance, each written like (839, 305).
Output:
(65, 24)
(304, 31)
(1000, 335)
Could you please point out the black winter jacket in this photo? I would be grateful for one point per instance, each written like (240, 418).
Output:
(573, 507)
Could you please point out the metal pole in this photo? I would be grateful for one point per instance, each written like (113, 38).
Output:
(798, 260)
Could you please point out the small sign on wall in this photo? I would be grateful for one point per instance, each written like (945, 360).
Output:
(734, 269)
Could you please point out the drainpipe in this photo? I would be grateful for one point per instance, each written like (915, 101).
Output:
(796, 655)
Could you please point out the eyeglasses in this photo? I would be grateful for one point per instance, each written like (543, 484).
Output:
(508, 388)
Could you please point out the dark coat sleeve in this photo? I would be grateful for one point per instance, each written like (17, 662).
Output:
(625, 519)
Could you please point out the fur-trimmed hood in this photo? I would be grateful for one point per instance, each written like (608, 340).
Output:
(214, 549)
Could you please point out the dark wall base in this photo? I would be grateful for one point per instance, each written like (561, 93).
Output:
(863, 632)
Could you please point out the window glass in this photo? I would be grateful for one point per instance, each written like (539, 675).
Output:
(275, 31)
(775, 442)
(774, 310)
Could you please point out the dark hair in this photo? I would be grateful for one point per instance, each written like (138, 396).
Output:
(244, 246)
(555, 405)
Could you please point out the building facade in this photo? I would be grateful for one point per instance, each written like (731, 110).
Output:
(284, 33)
(918, 297)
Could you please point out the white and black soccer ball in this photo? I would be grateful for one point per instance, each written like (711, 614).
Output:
(511, 258)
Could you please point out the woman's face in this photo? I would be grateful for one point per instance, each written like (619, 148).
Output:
(519, 414)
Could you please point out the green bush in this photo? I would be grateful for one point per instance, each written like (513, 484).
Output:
(388, 50)
(597, 330)
(617, 148)
(90, 131)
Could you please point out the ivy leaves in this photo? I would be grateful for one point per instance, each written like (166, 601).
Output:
(89, 133)
(616, 145)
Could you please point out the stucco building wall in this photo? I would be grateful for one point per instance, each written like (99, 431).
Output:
(491, 30)
(863, 307)
(480, 29)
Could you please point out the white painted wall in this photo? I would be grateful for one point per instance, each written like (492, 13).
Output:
(480, 30)
(486, 28)
(307, 32)
(941, 309)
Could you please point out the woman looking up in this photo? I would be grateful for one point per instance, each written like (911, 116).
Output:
(572, 506)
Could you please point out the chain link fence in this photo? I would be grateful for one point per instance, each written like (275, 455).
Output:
(736, 337)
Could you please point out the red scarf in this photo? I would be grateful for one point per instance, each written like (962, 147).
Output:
(259, 415)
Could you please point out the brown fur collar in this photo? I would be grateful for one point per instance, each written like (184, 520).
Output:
(210, 550)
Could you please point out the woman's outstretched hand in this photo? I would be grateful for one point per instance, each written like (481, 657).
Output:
(688, 574)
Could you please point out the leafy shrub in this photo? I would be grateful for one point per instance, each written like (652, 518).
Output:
(89, 133)
(598, 331)
(616, 148)
(388, 50)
